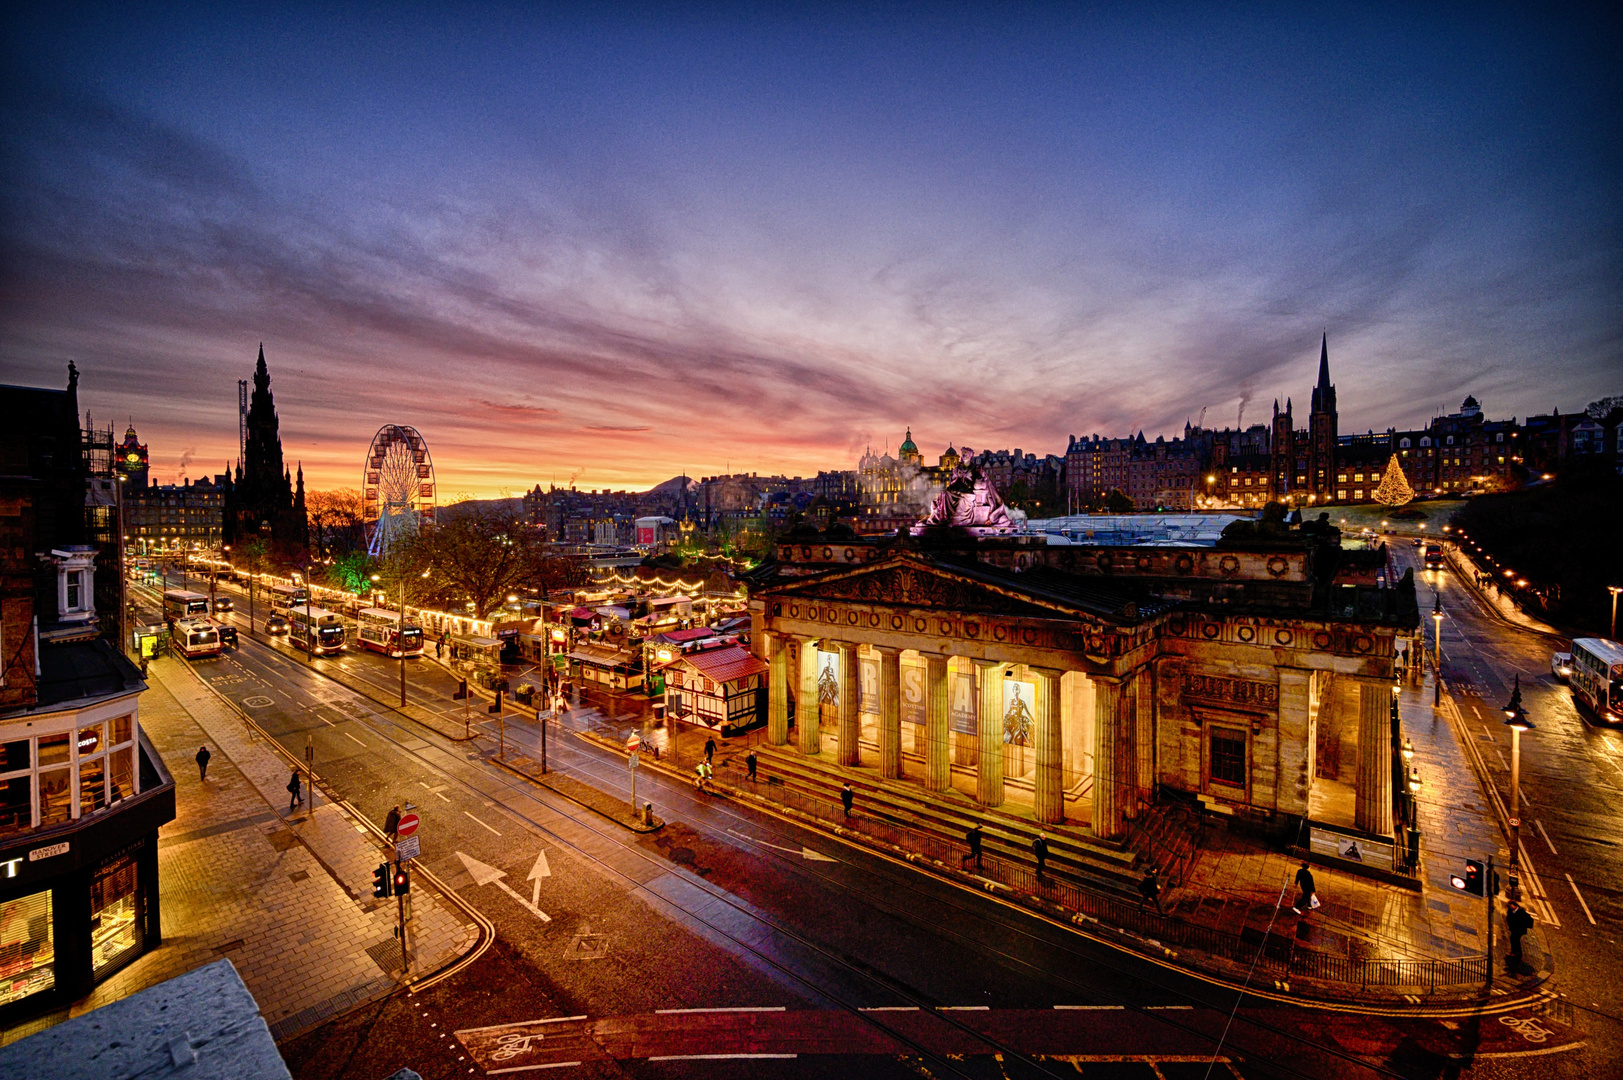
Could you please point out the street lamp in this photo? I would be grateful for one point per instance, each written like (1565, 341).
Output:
(1614, 590)
(1517, 722)
(1437, 640)
(400, 635)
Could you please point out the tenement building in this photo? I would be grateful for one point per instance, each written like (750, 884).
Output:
(82, 792)
(1069, 681)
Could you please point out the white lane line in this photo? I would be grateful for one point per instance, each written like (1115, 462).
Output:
(1180, 1008)
(1502, 760)
(723, 1009)
(347, 734)
(480, 823)
(1079, 1008)
(533, 1068)
(1580, 897)
(1475, 713)
(890, 1008)
(442, 798)
(722, 1057)
(521, 1023)
(964, 1008)
(1546, 836)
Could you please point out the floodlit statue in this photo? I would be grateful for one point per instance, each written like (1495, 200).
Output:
(968, 501)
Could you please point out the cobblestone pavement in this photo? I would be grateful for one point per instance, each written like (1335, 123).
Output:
(285, 896)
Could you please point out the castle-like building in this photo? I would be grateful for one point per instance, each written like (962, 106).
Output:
(264, 499)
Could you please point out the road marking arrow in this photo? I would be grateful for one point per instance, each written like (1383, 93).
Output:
(803, 852)
(484, 874)
(537, 872)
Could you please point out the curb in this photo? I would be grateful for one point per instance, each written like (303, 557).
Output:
(630, 821)
(1469, 581)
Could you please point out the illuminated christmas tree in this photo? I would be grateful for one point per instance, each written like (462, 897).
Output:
(1394, 489)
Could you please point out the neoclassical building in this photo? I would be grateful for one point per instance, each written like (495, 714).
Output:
(1255, 673)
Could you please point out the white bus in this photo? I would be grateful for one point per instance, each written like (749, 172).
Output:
(380, 631)
(284, 597)
(195, 638)
(317, 629)
(180, 604)
(1597, 677)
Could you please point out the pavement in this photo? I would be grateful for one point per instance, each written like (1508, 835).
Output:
(1480, 580)
(286, 896)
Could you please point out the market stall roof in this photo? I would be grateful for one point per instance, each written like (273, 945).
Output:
(582, 613)
(604, 656)
(481, 642)
(681, 637)
(726, 664)
(669, 601)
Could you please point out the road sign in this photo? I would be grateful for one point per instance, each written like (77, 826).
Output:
(633, 759)
(409, 847)
(634, 743)
(407, 826)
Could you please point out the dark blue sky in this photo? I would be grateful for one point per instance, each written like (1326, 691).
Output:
(624, 243)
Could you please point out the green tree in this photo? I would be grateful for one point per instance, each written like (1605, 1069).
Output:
(1118, 503)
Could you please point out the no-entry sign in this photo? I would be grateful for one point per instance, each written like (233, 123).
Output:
(634, 742)
(407, 826)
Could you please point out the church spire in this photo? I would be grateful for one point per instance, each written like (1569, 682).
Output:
(1324, 362)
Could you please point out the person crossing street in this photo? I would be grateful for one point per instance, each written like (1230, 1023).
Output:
(203, 756)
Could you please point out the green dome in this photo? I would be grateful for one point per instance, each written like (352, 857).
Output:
(907, 444)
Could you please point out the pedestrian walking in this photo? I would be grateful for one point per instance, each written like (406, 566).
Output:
(974, 838)
(847, 797)
(705, 772)
(295, 791)
(1039, 848)
(439, 648)
(391, 823)
(710, 749)
(203, 756)
(1518, 920)
(750, 762)
(1309, 898)
(1150, 890)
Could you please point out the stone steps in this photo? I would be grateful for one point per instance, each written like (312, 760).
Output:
(1072, 851)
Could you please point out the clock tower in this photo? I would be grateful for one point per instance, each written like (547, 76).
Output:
(130, 459)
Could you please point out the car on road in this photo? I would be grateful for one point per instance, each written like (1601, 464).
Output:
(1561, 665)
(228, 634)
(222, 604)
(276, 624)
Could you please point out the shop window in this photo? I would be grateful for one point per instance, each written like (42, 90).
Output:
(1228, 757)
(121, 774)
(55, 796)
(114, 926)
(92, 785)
(27, 947)
(53, 749)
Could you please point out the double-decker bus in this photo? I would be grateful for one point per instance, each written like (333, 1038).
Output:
(180, 604)
(380, 631)
(194, 638)
(317, 629)
(285, 597)
(1434, 556)
(1597, 677)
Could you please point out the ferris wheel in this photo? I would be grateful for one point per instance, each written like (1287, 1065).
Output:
(397, 497)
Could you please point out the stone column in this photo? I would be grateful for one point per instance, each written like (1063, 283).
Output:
(850, 703)
(777, 703)
(989, 778)
(937, 739)
(1144, 741)
(890, 713)
(1107, 808)
(1049, 804)
(1372, 806)
(808, 713)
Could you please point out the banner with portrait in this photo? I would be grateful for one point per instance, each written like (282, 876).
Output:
(1019, 712)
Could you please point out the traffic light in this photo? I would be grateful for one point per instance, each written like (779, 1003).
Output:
(1473, 877)
(381, 881)
(402, 881)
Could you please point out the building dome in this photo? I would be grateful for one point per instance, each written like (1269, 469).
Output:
(907, 446)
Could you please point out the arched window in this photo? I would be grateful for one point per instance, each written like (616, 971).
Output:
(1403, 444)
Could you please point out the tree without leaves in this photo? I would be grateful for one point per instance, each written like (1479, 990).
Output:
(480, 555)
(336, 524)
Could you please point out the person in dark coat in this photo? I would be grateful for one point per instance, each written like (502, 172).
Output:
(750, 762)
(295, 791)
(391, 823)
(1518, 920)
(710, 749)
(1150, 889)
(847, 797)
(974, 838)
(1304, 881)
(203, 756)
(1039, 848)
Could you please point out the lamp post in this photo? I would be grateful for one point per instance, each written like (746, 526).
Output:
(1437, 620)
(1614, 590)
(1517, 722)
(400, 635)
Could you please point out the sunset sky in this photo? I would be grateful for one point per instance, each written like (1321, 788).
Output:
(620, 245)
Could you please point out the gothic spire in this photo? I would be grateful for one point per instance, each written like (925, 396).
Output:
(1324, 362)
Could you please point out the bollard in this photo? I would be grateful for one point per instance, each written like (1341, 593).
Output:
(648, 814)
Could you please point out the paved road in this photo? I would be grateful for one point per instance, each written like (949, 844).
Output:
(1571, 788)
(723, 910)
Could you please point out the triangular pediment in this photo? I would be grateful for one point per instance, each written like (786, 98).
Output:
(907, 582)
